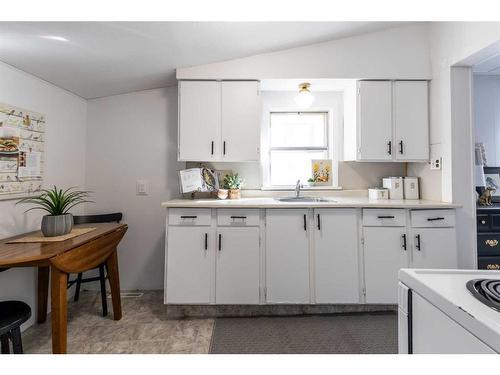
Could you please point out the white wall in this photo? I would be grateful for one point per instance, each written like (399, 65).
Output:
(487, 115)
(65, 162)
(132, 137)
(394, 53)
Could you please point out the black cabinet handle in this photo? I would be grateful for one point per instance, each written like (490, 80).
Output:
(404, 241)
(220, 242)
(386, 217)
(435, 218)
(238, 217)
(417, 245)
(389, 144)
(212, 147)
(206, 241)
(189, 217)
(401, 147)
(224, 148)
(305, 223)
(319, 222)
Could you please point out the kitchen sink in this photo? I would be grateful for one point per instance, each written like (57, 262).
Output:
(305, 199)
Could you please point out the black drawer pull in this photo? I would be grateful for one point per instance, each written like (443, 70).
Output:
(212, 147)
(206, 241)
(435, 218)
(220, 242)
(401, 147)
(386, 217)
(224, 148)
(305, 222)
(238, 217)
(404, 241)
(319, 222)
(189, 217)
(417, 245)
(389, 144)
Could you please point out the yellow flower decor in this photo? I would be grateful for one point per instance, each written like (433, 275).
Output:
(321, 171)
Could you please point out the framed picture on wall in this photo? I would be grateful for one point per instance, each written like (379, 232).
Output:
(492, 177)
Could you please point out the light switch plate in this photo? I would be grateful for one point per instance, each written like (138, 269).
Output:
(142, 187)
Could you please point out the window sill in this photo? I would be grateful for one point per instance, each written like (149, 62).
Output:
(303, 188)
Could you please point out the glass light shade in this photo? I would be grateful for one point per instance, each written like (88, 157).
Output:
(304, 99)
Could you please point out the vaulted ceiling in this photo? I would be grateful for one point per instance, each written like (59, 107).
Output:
(95, 59)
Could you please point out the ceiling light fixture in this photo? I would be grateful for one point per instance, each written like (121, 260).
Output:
(55, 37)
(304, 98)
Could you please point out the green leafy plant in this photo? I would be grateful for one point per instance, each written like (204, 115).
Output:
(233, 181)
(57, 201)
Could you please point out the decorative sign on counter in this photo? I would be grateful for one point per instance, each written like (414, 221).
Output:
(198, 180)
(21, 151)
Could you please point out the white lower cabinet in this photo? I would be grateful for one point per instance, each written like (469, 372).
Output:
(287, 256)
(434, 248)
(384, 255)
(336, 268)
(189, 264)
(237, 266)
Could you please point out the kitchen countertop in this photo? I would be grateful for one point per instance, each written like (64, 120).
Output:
(334, 202)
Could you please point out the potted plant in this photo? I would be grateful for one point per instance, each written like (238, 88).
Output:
(57, 203)
(233, 182)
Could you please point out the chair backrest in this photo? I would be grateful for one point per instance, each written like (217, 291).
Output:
(104, 218)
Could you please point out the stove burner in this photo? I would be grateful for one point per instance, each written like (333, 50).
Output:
(487, 291)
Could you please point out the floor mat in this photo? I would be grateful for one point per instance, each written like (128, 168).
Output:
(373, 333)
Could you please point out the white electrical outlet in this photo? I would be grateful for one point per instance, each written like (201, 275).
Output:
(142, 187)
(436, 163)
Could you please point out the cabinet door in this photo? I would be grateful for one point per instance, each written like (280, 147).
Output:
(434, 248)
(375, 121)
(336, 256)
(189, 262)
(384, 257)
(411, 120)
(199, 120)
(287, 252)
(237, 272)
(240, 121)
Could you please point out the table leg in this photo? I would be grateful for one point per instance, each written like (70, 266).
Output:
(114, 282)
(59, 304)
(42, 293)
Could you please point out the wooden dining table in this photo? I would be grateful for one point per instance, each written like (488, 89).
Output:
(57, 260)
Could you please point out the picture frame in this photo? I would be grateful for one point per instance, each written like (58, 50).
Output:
(492, 177)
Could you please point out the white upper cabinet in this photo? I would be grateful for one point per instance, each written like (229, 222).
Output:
(199, 120)
(241, 112)
(374, 121)
(391, 122)
(411, 120)
(219, 121)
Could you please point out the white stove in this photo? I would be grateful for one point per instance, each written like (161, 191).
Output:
(449, 311)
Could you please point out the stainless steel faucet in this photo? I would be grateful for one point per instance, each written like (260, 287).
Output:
(297, 189)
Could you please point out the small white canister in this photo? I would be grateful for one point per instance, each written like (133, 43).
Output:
(411, 188)
(378, 194)
(395, 186)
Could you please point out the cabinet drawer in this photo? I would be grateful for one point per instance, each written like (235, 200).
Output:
(488, 263)
(189, 216)
(384, 217)
(432, 218)
(238, 217)
(488, 244)
(483, 223)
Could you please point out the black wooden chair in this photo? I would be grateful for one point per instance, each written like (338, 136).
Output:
(88, 219)
(12, 315)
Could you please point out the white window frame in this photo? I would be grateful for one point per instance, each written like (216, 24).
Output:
(334, 143)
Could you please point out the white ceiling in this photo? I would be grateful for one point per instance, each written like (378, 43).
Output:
(107, 58)
(491, 65)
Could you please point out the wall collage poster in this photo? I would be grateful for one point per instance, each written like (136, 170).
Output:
(21, 152)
